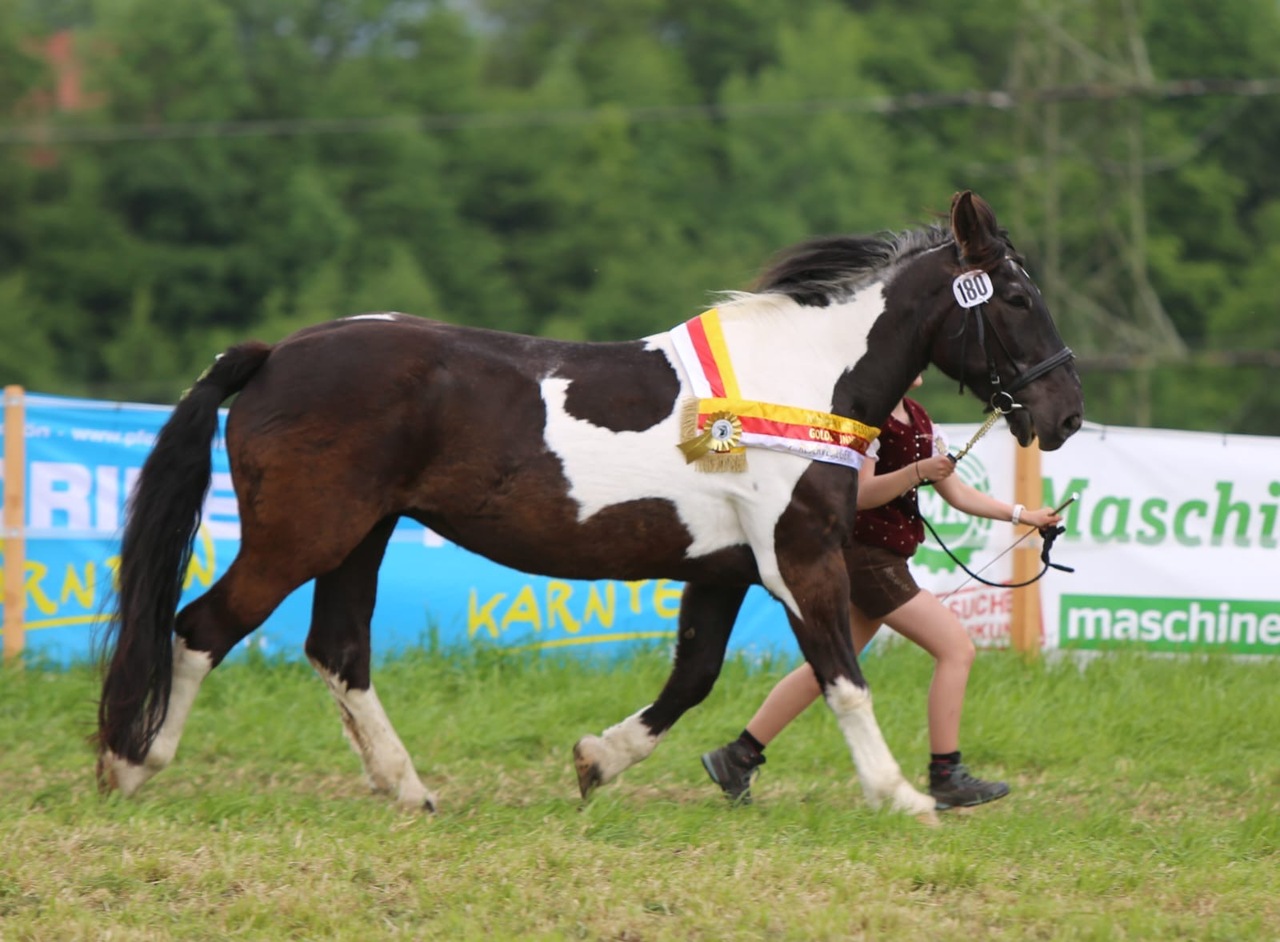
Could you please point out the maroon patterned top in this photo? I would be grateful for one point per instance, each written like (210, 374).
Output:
(896, 526)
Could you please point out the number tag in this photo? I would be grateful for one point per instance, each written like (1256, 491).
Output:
(972, 288)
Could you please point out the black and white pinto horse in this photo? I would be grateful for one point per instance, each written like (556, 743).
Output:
(570, 460)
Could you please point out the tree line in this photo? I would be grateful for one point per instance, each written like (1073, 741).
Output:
(242, 168)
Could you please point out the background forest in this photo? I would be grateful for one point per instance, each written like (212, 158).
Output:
(176, 176)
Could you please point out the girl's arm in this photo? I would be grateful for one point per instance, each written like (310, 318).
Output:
(970, 500)
(876, 490)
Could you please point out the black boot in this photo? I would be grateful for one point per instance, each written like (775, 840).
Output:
(732, 767)
(952, 786)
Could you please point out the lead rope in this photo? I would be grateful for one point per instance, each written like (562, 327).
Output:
(1049, 533)
(992, 419)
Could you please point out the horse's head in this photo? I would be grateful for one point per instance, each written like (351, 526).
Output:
(958, 298)
(997, 337)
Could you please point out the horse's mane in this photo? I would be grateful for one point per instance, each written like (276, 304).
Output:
(814, 270)
(825, 268)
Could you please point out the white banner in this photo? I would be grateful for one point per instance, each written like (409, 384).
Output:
(1175, 540)
(976, 541)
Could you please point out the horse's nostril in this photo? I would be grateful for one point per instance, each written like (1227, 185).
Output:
(1071, 424)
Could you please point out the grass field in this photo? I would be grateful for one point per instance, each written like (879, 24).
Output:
(1145, 805)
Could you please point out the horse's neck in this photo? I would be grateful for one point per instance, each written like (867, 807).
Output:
(897, 350)
(793, 354)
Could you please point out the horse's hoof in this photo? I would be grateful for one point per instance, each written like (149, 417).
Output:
(906, 800)
(417, 799)
(120, 775)
(589, 775)
(104, 776)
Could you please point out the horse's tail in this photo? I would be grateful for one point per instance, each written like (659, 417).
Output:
(161, 523)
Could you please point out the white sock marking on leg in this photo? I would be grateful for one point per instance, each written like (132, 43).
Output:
(386, 761)
(190, 668)
(881, 778)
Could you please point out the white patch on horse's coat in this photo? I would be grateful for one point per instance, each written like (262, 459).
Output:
(619, 747)
(190, 668)
(792, 354)
(783, 353)
(381, 316)
(882, 780)
(386, 761)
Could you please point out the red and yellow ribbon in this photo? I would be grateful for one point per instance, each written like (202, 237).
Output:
(725, 421)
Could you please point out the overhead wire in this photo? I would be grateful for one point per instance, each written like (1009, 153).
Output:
(65, 132)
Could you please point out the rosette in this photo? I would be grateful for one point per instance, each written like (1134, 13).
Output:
(721, 434)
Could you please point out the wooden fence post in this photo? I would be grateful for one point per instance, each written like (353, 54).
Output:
(15, 515)
(1025, 617)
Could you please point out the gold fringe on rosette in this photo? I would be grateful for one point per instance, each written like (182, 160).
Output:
(704, 450)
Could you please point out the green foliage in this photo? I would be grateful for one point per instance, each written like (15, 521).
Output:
(243, 168)
(26, 356)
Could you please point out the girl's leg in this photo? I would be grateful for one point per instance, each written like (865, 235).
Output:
(934, 627)
(923, 620)
(734, 764)
(789, 697)
(793, 694)
(927, 622)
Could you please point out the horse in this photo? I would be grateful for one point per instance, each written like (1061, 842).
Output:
(575, 460)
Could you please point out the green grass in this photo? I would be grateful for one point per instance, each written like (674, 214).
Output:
(1145, 805)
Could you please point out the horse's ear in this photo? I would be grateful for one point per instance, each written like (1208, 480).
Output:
(974, 227)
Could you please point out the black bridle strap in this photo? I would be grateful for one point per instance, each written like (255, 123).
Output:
(1048, 534)
(1044, 366)
(1021, 378)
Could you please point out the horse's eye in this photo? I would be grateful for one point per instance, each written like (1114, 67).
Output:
(1020, 300)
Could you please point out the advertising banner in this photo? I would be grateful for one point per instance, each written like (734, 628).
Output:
(1172, 539)
(83, 458)
(1175, 542)
(977, 542)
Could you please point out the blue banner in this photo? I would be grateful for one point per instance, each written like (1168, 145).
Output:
(83, 457)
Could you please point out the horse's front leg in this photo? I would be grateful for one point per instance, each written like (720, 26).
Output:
(815, 591)
(707, 614)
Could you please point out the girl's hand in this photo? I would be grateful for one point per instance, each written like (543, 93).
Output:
(1044, 517)
(934, 469)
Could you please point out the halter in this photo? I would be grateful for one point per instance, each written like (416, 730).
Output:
(1002, 400)
(1002, 403)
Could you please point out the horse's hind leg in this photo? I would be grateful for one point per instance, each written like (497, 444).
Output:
(206, 631)
(338, 647)
(189, 670)
(707, 614)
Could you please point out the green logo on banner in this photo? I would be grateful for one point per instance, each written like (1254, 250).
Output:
(1110, 622)
(963, 534)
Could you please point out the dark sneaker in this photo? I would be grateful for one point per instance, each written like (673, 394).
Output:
(732, 767)
(959, 789)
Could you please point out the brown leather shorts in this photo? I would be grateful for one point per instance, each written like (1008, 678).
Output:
(879, 580)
